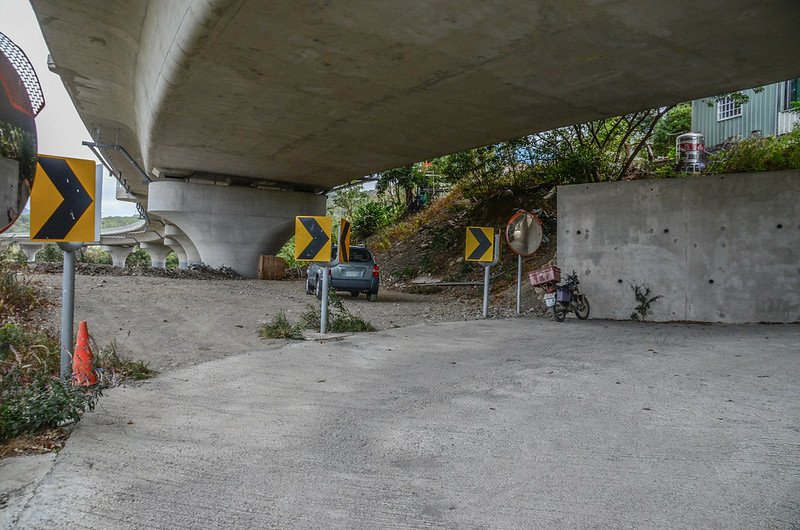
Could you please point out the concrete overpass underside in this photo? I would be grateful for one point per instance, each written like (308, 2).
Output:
(303, 96)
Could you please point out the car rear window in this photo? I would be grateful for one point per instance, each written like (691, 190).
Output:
(359, 255)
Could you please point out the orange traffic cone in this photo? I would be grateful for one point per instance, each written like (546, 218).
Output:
(83, 360)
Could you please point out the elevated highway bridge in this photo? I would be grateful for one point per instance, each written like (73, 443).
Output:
(242, 112)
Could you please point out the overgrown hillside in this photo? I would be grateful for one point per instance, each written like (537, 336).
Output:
(430, 243)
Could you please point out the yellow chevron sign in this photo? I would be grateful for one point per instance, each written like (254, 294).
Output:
(312, 241)
(65, 200)
(480, 244)
(344, 241)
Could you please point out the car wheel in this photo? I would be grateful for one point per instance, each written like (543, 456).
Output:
(318, 290)
(373, 297)
(310, 289)
(354, 294)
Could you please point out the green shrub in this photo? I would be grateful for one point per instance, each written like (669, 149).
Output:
(280, 328)
(50, 253)
(45, 402)
(172, 261)
(287, 253)
(372, 216)
(13, 254)
(94, 255)
(19, 299)
(138, 258)
(772, 153)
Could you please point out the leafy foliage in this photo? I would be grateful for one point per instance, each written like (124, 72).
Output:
(287, 253)
(112, 368)
(19, 299)
(280, 328)
(340, 320)
(770, 153)
(643, 301)
(138, 258)
(93, 255)
(344, 202)
(50, 253)
(12, 253)
(372, 216)
(172, 261)
(44, 402)
(676, 121)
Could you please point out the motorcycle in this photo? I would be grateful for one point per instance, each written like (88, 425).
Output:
(566, 298)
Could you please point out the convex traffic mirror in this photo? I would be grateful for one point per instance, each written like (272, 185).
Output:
(524, 233)
(20, 101)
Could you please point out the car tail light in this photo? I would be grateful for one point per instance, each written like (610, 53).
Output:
(375, 271)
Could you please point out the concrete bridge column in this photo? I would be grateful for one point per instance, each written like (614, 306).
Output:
(118, 254)
(30, 250)
(178, 249)
(158, 254)
(192, 256)
(232, 225)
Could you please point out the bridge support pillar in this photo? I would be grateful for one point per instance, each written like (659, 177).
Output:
(178, 249)
(118, 254)
(190, 254)
(30, 250)
(232, 225)
(158, 254)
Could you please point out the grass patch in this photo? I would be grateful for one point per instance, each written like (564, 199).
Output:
(20, 300)
(280, 328)
(113, 369)
(340, 320)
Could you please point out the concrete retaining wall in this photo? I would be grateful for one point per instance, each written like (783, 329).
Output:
(717, 248)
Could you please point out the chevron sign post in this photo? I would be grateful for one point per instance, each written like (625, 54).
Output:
(312, 242)
(65, 209)
(480, 244)
(483, 246)
(65, 201)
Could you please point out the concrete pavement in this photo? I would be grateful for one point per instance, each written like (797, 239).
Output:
(492, 424)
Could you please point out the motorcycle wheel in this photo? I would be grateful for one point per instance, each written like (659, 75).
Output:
(559, 313)
(582, 307)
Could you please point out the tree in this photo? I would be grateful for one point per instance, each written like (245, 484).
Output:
(401, 182)
(677, 120)
(348, 200)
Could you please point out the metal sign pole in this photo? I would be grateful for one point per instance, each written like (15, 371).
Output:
(326, 268)
(323, 315)
(67, 306)
(486, 290)
(486, 275)
(519, 283)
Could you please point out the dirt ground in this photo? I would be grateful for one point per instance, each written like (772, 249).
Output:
(171, 322)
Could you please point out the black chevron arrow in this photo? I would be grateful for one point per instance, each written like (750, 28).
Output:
(483, 243)
(344, 249)
(76, 199)
(318, 235)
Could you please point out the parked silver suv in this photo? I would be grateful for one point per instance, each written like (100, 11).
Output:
(361, 275)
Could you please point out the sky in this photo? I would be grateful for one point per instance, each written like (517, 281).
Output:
(59, 128)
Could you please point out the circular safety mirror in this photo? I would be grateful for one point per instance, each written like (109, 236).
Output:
(18, 87)
(524, 233)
